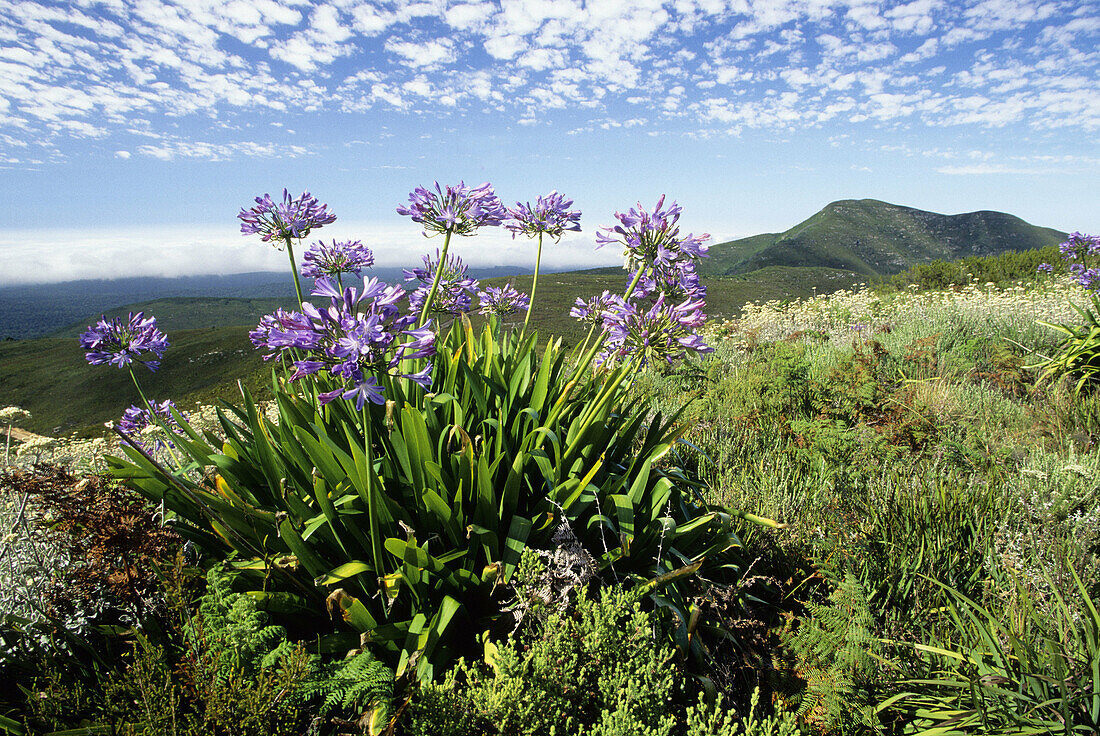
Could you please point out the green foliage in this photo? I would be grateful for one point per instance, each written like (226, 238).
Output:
(1036, 672)
(909, 529)
(221, 671)
(1078, 353)
(405, 518)
(229, 636)
(360, 684)
(705, 719)
(597, 667)
(834, 654)
(1002, 269)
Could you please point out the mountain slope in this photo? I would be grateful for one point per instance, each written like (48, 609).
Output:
(877, 238)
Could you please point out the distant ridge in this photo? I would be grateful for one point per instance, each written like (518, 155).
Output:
(876, 238)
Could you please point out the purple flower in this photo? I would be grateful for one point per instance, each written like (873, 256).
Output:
(675, 282)
(653, 238)
(1079, 245)
(659, 334)
(1045, 268)
(1076, 251)
(502, 301)
(121, 342)
(591, 312)
(456, 289)
(550, 215)
(357, 338)
(336, 258)
(292, 218)
(461, 210)
(137, 419)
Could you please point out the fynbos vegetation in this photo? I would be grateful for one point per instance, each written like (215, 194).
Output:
(869, 512)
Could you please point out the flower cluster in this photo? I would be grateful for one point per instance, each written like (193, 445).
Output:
(355, 339)
(660, 333)
(461, 210)
(678, 282)
(591, 312)
(292, 218)
(656, 320)
(1076, 251)
(13, 414)
(550, 215)
(138, 420)
(652, 239)
(121, 342)
(502, 301)
(456, 289)
(335, 259)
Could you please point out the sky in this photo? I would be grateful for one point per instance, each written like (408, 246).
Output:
(133, 131)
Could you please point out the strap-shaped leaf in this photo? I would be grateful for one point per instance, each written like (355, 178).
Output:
(514, 544)
(345, 571)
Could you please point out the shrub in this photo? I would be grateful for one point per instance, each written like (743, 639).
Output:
(599, 666)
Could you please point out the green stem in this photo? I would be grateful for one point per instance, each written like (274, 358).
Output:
(435, 282)
(148, 406)
(637, 278)
(590, 353)
(534, 287)
(293, 269)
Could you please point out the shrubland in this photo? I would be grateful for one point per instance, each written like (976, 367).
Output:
(869, 512)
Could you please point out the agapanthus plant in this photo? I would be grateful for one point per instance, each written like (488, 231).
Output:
(122, 342)
(658, 314)
(293, 218)
(550, 216)
(661, 333)
(137, 421)
(444, 285)
(460, 210)
(1076, 251)
(590, 312)
(355, 339)
(652, 239)
(502, 301)
(336, 259)
(676, 283)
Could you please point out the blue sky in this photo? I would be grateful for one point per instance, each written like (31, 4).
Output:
(132, 132)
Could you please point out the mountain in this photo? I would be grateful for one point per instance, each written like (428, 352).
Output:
(876, 238)
(39, 310)
(36, 310)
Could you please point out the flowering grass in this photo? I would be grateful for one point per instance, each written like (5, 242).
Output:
(1011, 311)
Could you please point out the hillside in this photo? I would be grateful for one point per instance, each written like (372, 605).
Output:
(876, 238)
(50, 378)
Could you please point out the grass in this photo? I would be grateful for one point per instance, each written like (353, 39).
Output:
(940, 507)
(210, 348)
(50, 378)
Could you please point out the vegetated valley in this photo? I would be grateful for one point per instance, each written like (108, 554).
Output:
(867, 511)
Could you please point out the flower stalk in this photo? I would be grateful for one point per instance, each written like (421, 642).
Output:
(435, 282)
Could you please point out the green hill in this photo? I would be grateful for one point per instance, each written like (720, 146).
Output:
(876, 238)
(50, 378)
(190, 313)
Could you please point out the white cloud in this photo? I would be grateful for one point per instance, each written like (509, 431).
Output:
(38, 256)
(991, 170)
(427, 54)
(91, 69)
